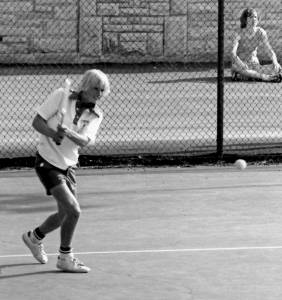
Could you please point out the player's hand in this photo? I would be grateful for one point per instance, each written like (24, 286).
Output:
(62, 128)
(60, 134)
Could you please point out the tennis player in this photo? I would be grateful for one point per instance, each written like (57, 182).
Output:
(57, 158)
(245, 62)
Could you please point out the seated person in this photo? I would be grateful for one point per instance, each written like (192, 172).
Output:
(245, 63)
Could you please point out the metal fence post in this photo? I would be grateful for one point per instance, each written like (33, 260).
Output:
(220, 79)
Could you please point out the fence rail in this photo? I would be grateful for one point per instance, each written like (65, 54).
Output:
(169, 67)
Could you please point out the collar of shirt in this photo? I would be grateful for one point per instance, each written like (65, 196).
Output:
(81, 106)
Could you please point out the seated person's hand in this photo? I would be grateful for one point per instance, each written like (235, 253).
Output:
(240, 63)
(277, 67)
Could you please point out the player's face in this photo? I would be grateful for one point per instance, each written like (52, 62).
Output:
(93, 94)
(253, 19)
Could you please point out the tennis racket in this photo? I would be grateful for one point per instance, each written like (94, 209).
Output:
(64, 102)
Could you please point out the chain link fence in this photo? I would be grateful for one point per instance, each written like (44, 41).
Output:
(161, 59)
(253, 109)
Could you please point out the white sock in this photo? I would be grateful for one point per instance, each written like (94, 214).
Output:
(33, 238)
(66, 255)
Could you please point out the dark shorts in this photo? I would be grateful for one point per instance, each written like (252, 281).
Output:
(51, 176)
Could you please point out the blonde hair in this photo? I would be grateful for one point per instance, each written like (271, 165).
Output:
(93, 78)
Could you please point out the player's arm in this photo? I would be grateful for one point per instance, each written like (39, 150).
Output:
(79, 139)
(270, 51)
(41, 126)
(87, 134)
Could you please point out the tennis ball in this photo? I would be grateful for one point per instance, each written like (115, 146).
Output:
(240, 164)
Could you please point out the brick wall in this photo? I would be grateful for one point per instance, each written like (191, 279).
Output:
(87, 31)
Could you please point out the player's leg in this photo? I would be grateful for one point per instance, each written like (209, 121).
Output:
(33, 239)
(50, 176)
(71, 211)
(53, 222)
(67, 181)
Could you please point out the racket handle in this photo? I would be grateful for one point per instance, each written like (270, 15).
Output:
(60, 142)
(62, 116)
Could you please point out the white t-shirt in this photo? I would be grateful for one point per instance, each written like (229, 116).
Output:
(66, 154)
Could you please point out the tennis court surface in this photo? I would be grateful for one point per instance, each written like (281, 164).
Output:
(205, 233)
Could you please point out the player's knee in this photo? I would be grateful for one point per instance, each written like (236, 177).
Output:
(74, 212)
(78, 212)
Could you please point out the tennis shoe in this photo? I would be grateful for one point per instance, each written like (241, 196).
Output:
(67, 263)
(35, 247)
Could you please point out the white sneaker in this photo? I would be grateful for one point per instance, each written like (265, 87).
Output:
(67, 263)
(36, 248)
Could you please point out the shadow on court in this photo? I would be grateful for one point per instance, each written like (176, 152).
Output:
(34, 203)
(29, 274)
(16, 265)
(167, 233)
(204, 79)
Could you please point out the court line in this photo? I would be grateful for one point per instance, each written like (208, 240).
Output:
(187, 250)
